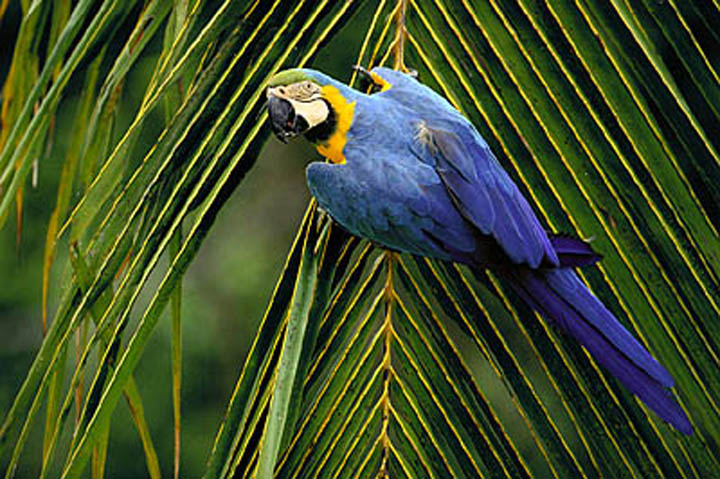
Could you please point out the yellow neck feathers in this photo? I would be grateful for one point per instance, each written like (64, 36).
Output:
(344, 111)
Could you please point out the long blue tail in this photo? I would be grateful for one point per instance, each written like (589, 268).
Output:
(560, 296)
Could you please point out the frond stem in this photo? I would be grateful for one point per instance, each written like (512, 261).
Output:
(400, 36)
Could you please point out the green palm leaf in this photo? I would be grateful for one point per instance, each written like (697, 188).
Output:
(370, 363)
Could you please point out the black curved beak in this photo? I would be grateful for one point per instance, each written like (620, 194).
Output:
(285, 123)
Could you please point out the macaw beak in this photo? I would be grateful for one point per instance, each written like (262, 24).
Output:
(286, 124)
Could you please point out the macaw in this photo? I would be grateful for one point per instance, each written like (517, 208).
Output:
(409, 172)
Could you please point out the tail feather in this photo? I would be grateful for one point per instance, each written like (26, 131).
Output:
(561, 297)
(573, 252)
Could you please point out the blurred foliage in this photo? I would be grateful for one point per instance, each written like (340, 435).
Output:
(128, 126)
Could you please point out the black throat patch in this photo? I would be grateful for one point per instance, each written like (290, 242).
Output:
(321, 133)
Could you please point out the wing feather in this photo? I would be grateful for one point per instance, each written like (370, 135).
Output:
(486, 195)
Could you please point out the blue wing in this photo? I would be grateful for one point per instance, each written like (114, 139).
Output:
(396, 203)
(486, 195)
(399, 199)
(481, 189)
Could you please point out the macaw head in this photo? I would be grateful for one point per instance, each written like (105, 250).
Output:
(307, 102)
(296, 103)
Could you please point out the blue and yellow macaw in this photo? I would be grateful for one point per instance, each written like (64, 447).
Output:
(409, 172)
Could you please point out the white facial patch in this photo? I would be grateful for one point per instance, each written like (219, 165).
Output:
(314, 111)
